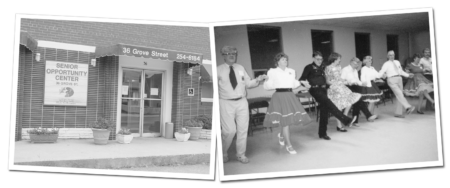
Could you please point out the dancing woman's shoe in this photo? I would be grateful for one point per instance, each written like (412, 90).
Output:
(353, 121)
(280, 139)
(291, 150)
(410, 110)
(341, 129)
(419, 112)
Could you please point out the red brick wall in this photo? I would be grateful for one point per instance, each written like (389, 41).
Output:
(182, 38)
(109, 72)
(185, 107)
(102, 87)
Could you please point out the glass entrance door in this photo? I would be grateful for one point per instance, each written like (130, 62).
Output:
(142, 102)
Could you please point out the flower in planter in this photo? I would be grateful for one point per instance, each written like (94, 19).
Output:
(194, 122)
(124, 131)
(43, 131)
(207, 121)
(183, 131)
(101, 123)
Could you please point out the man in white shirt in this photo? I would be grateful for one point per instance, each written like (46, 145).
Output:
(234, 114)
(394, 73)
(350, 75)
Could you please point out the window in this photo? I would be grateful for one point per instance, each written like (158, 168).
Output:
(392, 44)
(265, 43)
(362, 44)
(322, 41)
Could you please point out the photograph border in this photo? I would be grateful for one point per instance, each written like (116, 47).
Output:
(438, 163)
(14, 167)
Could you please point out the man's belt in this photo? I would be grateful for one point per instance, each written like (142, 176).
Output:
(235, 99)
(394, 76)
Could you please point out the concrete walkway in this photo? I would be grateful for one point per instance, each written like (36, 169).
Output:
(388, 140)
(83, 153)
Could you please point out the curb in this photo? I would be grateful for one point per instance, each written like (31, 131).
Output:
(118, 163)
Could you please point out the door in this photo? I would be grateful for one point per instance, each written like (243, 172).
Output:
(142, 99)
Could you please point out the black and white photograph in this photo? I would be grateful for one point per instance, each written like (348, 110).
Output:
(224, 93)
(113, 97)
(342, 93)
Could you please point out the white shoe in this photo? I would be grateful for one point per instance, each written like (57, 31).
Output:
(291, 150)
(280, 139)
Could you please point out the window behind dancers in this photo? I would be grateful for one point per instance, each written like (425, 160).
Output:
(285, 109)
(313, 76)
(338, 92)
(418, 85)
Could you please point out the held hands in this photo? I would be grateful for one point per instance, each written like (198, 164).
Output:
(262, 77)
(306, 84)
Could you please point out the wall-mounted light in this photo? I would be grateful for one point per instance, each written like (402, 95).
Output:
(189, 71)
(93, 62)
(38, 57)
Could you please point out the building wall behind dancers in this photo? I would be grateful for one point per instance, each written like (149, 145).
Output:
(297, 43)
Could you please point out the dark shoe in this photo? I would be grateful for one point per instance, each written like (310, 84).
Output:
(410, 110)
(399, 116)
(419, 112)
(325, 137)
(341, 129)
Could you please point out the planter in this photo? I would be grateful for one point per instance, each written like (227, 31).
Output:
(182, 137)
(124, 139)
(205, 134)
(43, 138)
(195, 132)
(101, 136)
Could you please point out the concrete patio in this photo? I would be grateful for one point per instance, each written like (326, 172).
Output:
(142, 152)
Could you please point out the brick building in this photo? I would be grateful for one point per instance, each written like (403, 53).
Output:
(137, 75)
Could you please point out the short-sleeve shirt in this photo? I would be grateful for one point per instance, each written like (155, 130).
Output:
(279, 78)
(244, 81)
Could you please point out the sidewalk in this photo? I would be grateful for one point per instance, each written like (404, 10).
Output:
(83, 153)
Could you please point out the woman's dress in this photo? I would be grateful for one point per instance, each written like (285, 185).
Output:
(371, 92)
(285, 108)
(338, 92)
(418, 83)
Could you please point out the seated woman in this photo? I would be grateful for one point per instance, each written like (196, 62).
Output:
(418, 85)
(338, 93)
(285, 109)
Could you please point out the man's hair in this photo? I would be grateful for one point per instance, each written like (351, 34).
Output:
(317, 53)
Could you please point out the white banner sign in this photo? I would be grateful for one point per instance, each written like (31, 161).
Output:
(66, 84)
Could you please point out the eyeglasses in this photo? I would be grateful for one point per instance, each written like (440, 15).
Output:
(319, 59)
(233, 53)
